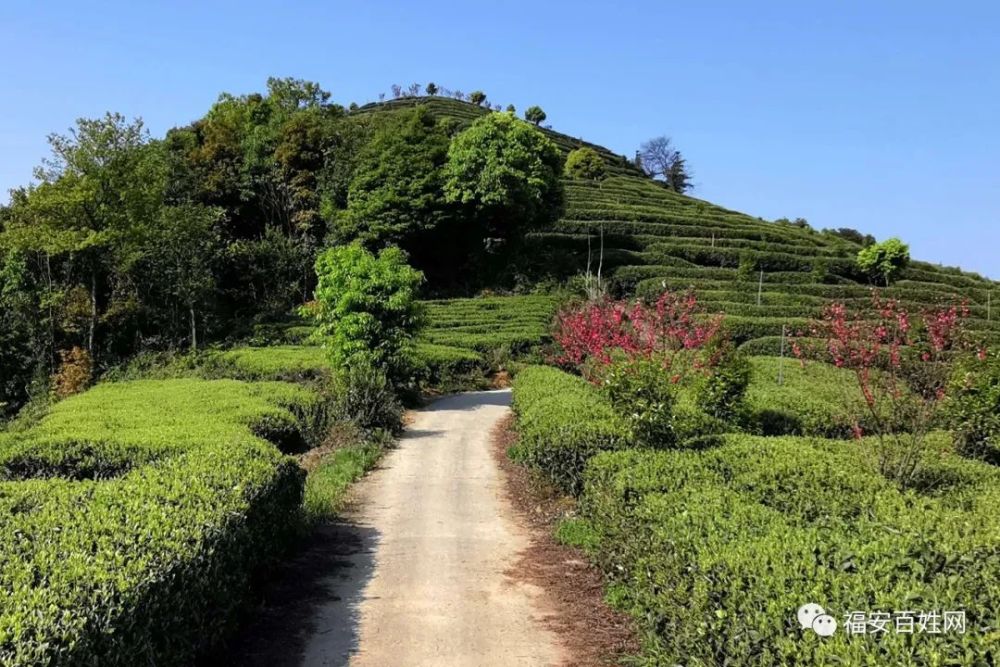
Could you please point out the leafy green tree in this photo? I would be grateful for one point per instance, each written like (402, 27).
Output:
(366, 309)
(397, 190)
(585, 163)
(477, 97)
(535, 115)
(507, 173)
(884, 261)
(184, 248)
(511, 109)
(432, 89)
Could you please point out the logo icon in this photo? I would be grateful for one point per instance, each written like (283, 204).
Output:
(813, 617)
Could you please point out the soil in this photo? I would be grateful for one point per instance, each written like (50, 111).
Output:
(592, 633)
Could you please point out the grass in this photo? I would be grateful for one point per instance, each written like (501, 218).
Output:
(326, 485)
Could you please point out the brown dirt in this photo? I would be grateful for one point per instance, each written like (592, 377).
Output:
(592, 633)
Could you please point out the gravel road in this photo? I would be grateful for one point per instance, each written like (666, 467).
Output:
(429, 583)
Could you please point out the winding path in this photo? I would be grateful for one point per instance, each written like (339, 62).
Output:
(426, 580)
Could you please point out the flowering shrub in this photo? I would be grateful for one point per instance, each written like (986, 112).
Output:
(902, 365)
(604, 331)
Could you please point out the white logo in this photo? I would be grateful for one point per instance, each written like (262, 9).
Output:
(813, 617)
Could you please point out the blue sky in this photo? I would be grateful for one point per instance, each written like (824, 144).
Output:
(876, 115)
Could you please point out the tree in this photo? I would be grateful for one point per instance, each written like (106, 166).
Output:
(431, 89)
(477, 97)
(678, 179)
(511, 109)
(534, 114)
(902, 372)
(397, 189)
(884, 261)
(366, 309)
(585, 163)
(506, 172)
(661, 161)
(184, 247)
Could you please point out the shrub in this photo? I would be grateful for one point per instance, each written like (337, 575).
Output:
(973, 409)
(562, 421)
(585, 163)
(365, 396)
(75, 372)
(643, 395)
(721, 392)
(139, 514)
(367, 312)
(713, 552)
(902, 373)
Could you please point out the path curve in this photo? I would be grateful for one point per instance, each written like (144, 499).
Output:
(430, 586)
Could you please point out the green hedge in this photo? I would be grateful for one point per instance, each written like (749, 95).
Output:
(135, 514)
(562, 421)
(713, 552)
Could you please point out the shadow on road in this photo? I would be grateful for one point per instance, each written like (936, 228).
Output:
(473, 400)
(309, 600)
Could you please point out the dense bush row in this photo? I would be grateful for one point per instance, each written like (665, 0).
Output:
(135, 514)
(713, 552)
(514, 324)
(562, 420)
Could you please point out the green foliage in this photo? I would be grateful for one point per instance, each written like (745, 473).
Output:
(585, 163)
(973, 410)
(884, 261)
(535, 115)
(326, 486)
(445, 368)
(562, 422)
(278, 362)
(477, 97)
(642, 393)
(365, 396)
(507, 173)
(396, 194)
(367, 312)
(721, 392)
(813, 398)
(518, 324)
(713, 552)
(136, 513)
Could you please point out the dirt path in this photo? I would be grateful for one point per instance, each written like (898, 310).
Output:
(416, 572)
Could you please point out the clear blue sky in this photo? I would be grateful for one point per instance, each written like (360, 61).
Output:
(881, 116)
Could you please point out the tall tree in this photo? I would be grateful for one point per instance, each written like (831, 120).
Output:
(660, 160)
(507, 172)
(397, 191)
(535, 115)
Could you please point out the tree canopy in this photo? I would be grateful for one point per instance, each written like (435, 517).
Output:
(506, 172)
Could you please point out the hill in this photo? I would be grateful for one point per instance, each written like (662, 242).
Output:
(762, 274)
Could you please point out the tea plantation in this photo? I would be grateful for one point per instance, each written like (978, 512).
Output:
(712, 550)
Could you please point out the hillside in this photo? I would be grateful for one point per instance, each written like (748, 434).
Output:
(655, 238)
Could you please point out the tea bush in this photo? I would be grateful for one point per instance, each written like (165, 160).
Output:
(135, 514)
(562, 421)
(713, 552)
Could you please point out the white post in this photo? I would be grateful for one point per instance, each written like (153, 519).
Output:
(760, 287)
